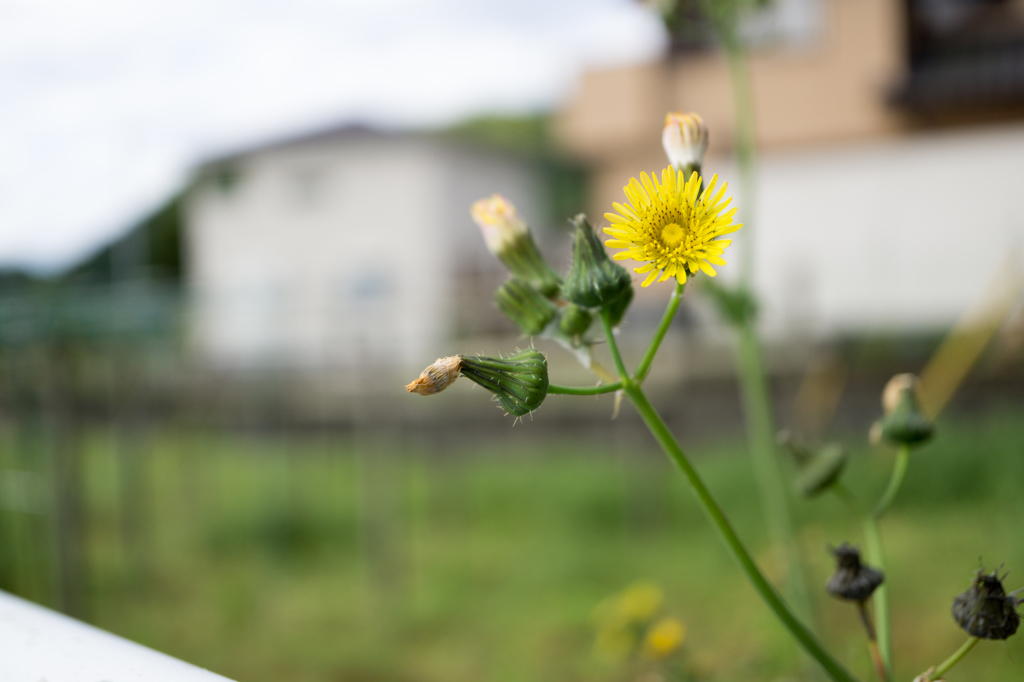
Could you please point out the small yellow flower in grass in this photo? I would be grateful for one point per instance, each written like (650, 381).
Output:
(672, 225)
(664, 638)
(640, 602)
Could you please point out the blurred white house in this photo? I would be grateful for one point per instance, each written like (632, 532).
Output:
(347, 247)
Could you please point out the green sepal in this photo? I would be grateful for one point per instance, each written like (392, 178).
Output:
(817, 467)
(519, 381)
(594, 280)
(524, 305)
(574, 321)
(822, 470)
(524, 260)
(907, 424)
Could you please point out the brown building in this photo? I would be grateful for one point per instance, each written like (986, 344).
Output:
(880, 126)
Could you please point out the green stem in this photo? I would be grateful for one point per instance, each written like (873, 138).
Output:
(659, 334)
(584, 390)
(955, 658)
(746, 141)
(770, 482)
(613, 347)
(899, 472)
(714, 513)
(873, 540)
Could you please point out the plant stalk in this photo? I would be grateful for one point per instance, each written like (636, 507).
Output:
(899, 472)
(717, 517)
(770, 482)
(955, 658)
(584, 390)
(714, 513)
(659, 333)
(873, 540)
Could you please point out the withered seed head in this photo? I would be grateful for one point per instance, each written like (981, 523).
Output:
(437, 377)
(985, 610)
(852, 580)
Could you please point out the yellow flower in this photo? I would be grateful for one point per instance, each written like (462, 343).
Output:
(670, 227)
(664, 638)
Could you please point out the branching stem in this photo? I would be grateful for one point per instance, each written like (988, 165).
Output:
(717, 518)
(584, 390)
(955, 658)
(659, 334)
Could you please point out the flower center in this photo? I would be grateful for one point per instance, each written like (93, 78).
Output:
(672, 235)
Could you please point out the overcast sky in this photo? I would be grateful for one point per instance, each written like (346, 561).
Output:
(105, 105)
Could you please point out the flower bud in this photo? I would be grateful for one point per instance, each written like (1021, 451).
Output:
(520, 381)
(985, 610)
(617, 308)
(904, 422)
(594, 280)
(574, 321)
(509, 238)
(437, 377)
(525, 306)
(852, 580)
(817, 468)
(685, 139)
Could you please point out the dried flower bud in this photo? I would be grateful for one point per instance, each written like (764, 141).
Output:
(520, 381)
(594, 280)
(437, 377)
(685, 139)
(664, 638)
(509, 238)
(817, 468)
(524, 305)
(985, 610)
(904, 421)
(574, 321)
(852, 580)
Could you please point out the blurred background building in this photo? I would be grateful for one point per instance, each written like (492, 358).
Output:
(890, 136)
(345, 248)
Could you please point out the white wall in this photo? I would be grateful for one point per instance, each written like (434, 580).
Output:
(897, 235)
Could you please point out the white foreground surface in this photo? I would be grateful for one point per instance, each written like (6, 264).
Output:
(38, 645)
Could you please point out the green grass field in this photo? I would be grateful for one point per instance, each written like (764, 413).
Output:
(302, 558)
